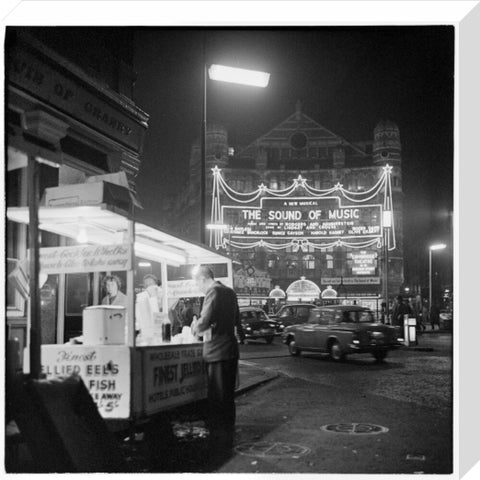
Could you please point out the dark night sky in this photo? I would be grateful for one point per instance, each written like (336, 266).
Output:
(348, 79)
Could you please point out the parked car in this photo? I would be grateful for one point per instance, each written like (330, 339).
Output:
(340, 330)
(293, 313)
(256, 324)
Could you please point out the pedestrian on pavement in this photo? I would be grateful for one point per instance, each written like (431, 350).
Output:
(434, 316)
(399, 311)
(218, 319)
(265, 308)
(425, 314)
(417, 311)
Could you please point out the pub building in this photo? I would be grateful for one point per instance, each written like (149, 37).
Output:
(300, 146)
(95, 296)
(73, 125)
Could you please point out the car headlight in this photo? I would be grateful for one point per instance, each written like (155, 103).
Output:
(248, 328)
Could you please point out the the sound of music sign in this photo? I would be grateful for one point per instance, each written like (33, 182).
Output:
(303, 217)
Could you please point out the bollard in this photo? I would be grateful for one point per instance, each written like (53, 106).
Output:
(410, 330)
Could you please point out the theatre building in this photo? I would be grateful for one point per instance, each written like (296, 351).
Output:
(301, 201)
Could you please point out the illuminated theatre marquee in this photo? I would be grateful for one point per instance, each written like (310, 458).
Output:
(303, 217)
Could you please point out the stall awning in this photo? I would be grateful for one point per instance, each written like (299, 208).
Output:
(105, 225)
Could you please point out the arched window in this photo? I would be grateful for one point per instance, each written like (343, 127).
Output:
(292, 269)
(309, 262)
(329, 261)
(273, 261)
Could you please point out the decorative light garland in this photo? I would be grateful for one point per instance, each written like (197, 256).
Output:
(218, 239)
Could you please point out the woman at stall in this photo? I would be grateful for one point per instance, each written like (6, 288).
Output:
(114, 296)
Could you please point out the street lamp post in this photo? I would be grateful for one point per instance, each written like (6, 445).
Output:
(387, 224)
(439, 246)
(221, 73)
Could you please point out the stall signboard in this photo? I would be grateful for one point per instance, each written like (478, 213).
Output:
(173, 375)
(85, 258)
(364, 262)
(189, 289)
(105, 371)
(303, 217)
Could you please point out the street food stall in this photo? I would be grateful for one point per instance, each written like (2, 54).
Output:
(132, 367)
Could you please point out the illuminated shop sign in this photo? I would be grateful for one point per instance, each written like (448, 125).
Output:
(303, 217)
(364, 262)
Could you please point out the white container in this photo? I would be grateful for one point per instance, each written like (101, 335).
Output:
(104, 325)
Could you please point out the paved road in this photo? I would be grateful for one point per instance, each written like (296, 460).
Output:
(317, 416)
(420, 374)
(400, 411)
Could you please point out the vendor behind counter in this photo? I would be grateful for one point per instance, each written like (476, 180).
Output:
(114, 296)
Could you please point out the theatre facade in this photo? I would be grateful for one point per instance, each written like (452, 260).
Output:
(301, 201)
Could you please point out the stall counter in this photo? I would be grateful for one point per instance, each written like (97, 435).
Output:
(131, 383)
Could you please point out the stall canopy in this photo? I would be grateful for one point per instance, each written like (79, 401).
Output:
(277, 292)
(105, 225)
(303, 290)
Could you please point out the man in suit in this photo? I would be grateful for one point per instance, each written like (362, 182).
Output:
(218, 319)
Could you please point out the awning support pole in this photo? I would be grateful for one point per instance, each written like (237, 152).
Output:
(34, 267)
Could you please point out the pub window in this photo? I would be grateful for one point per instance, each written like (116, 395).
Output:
(274, 183)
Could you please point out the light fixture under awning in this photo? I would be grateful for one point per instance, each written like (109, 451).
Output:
(104, 225)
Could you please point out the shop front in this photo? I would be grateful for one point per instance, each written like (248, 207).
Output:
(303, 290)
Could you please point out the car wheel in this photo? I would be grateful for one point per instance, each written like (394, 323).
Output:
(293, 349)
(336, 352)
(380, 355)
(269, 339)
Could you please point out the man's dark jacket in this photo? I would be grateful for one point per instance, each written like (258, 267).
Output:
(220, 312)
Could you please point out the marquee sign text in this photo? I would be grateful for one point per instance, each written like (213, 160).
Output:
(303, 218)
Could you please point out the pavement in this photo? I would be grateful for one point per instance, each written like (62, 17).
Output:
(290, 425)
(252, 376)
(283, 427)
